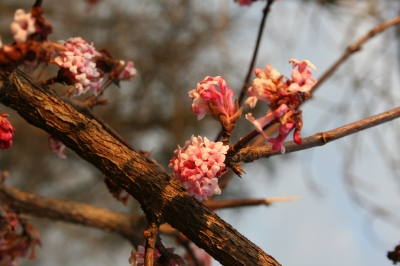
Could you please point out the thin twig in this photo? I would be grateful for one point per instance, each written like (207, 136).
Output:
(150, 234)
(222, 204)
(355, 47)
(104, 87)
(253, 59)
(350, 50)
(250, 154)
(38, 3)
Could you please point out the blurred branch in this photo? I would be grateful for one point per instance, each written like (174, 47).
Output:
(355, 47)
(129, 226)
(250, 154)
(222, 204)
(38, 3)
(162, 198)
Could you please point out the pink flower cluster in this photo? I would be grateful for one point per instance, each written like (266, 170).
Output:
(77, 66)
(208, 100)
(128, 72)
(284, 99)
(198, 165)
(6, 132)
(23, 26)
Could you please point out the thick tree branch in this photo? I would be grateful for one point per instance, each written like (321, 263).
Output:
(250, 154)
(162, 198)
(129, 226)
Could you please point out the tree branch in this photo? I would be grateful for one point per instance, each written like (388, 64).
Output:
(129, 226)
(250, 154)
(162, 197)
(222, 204)
(355, 47)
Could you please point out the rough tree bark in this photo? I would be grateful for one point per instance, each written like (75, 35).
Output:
(162, 197)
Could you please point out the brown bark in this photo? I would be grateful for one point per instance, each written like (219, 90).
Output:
(162, 198)
(129, 226)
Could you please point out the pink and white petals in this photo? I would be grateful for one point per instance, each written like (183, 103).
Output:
(302, 80)
(77, 65)
(129, 71)
(198, 165)
(284, 99)
(212, 96)
(23, 26)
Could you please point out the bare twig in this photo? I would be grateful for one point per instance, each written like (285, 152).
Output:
(253, 59)
(222, 204)
(38, 3)
(250, 154)
(355, 47)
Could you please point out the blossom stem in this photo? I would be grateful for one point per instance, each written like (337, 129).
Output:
(234, 149)
(104, 87)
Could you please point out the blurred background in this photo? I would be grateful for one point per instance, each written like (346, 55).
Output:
(348, 212)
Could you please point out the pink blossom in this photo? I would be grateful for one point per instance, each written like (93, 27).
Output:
(78, 69)
(6, 132)
(302, 80)
(23, 26)
(263, 86)
(57, 147)
(128, 72)
(198, 165)
(207, 100)
(277, 143)
(268, 118)
(284, 99)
